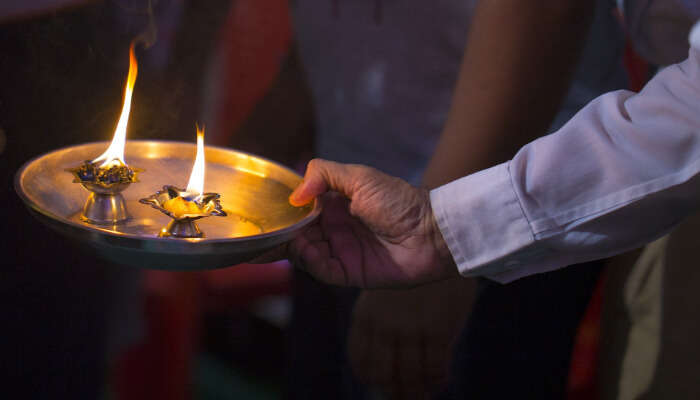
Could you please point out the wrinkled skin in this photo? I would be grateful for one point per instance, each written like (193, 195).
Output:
(376, 231)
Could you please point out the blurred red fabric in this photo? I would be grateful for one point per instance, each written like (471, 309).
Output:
(251, 49)
(582, 384)
(252, 44)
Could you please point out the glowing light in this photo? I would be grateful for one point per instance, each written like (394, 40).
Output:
(196, 184)
(252, 172)
(115, 152)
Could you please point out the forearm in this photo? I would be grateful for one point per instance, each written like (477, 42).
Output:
(518, 61)
(621, 173)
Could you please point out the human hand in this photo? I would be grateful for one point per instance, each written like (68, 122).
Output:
(401, 341)
(376, 231)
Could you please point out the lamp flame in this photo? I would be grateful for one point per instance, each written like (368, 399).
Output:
(196, 184)
(115, 152)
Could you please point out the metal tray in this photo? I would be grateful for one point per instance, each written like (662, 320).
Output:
(254, 193)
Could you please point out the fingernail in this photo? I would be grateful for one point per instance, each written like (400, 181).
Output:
(293, 201)
(294, 197)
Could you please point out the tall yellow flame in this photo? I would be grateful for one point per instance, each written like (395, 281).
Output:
(115, 152)
(196, 184)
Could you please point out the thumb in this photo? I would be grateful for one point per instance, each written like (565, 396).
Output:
(322, 176)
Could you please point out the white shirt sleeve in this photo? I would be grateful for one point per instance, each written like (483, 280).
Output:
(619, 174)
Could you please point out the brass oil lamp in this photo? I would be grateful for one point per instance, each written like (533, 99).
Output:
(108, 175)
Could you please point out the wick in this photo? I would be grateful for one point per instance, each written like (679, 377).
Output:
(191, 196)
(115, 162)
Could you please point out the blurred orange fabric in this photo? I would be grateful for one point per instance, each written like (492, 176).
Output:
(252, 45)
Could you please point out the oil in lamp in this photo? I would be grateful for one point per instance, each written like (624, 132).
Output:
(187, 206)
(106, 180)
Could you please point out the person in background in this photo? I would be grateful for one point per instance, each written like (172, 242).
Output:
(429, 92)
(647, 340)
(638, 178)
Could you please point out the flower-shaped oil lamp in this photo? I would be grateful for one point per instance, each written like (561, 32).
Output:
(184, 209)
(105, 205)
(187, 206)
(106, 181)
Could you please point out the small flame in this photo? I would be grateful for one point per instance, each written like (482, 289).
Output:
(115, 152)
(196, 184)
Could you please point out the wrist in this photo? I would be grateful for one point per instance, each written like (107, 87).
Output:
(444, 256)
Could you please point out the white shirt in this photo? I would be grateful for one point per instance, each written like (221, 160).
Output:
(622, 172)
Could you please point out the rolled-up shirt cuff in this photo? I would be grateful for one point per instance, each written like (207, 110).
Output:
(483, 224)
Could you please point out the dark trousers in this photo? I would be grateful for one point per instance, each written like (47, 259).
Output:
(518, 340)
(516, 344)
(317, 365)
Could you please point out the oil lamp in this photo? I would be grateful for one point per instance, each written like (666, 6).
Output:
(106, 180)
(187, 206)
(258, 216)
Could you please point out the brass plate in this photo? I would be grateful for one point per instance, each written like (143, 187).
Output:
(254, 193)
